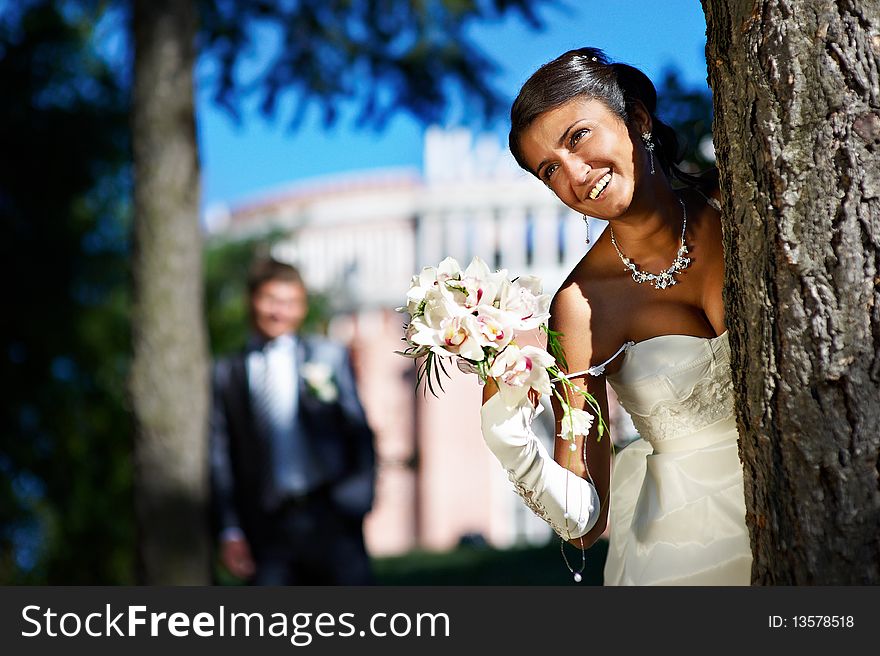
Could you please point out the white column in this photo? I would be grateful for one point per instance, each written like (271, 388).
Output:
(484, 235)
(369, 258)
(546, 239)
(312, 251)
(430, 240)
(574, 232)
(401, 257)
(512, 239)
(456, 231)
(340, 245)
(404, 252)
(302, 256)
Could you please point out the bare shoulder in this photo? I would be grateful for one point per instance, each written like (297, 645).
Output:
(570, 309)
(576, 312)
(570, 315)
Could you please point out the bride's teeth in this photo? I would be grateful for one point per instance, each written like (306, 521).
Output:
(600, 185)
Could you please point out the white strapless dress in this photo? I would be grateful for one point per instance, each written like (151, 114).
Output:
(677, 513)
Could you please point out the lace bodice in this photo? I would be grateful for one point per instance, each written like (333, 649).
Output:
(674, 386)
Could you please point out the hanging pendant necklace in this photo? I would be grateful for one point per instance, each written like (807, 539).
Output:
(665, 278)
(577, 575)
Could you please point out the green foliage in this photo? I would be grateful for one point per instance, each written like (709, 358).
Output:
(65, 496)
(473, 566)
(226, 305)
(384, 55)
(554, 346)
(226, 269)
(689, 112)
(429, 371)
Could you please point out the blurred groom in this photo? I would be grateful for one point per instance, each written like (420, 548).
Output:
(292, 459)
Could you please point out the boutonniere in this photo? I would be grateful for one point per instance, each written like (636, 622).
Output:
(318, 377)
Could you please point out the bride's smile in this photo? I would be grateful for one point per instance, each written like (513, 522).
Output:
(584, 153)
(600, 186)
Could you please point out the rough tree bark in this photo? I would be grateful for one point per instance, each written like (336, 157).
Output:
(169, 381)
(797, 134)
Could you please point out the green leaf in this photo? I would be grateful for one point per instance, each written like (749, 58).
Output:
(429, 365)
(437, 370)
(458, 288)
(554, 346)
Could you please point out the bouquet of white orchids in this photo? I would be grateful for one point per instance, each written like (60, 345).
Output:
(473, 316)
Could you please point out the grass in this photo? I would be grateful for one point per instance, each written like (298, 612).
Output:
(475, 565)
(478, 566)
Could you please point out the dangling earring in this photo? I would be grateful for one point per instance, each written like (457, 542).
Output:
(587, 224)
(649, 146)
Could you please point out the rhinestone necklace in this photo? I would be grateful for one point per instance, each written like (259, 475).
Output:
(663, 279)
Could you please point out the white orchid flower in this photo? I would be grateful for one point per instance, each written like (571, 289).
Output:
(517, 370)
(474, 286)
(531, 283)
(477, 270)
(474, 315)
(413, 350)
(521, 299)
(480, 284)
(575, 422)
(420, 285)
(426, 278)
(447, 328)
(496, 327)
(457, 335)
(448, 269)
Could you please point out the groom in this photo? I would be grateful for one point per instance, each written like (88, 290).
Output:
(292, 460)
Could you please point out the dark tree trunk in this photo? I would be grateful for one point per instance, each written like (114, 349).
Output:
(169, 383)
(797, 135)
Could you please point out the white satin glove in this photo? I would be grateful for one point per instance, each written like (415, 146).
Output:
(564, 500)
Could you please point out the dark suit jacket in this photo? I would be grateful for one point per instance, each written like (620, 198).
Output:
(338, 432)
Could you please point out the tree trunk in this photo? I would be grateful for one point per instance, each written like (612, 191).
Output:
(797, 135)
(169, 383)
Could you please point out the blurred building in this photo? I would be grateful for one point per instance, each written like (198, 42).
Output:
(359, 239)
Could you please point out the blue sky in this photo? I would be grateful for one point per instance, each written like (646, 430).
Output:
(242, 161)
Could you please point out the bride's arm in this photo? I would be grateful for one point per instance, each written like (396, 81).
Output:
(571, 316)
(598, 452)
(568, 503)
(557, 489)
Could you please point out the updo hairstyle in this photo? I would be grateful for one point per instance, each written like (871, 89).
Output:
(587, 73)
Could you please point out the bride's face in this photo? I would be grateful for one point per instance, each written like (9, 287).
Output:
(585, 154)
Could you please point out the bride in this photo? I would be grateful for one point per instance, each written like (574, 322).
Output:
(643, 311)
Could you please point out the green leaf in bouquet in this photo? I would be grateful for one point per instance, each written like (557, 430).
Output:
(430, 373)
(429, 367)
(410, 351)
(483, 370)
(443, 368)
(554, 346)
(421, 371)
(459, 288)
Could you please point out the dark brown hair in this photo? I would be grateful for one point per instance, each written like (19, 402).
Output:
(588, 73)
(264, 270)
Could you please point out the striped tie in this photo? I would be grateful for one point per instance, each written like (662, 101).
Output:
(275, 405)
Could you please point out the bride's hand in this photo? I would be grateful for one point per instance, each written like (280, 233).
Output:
(490, 389)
